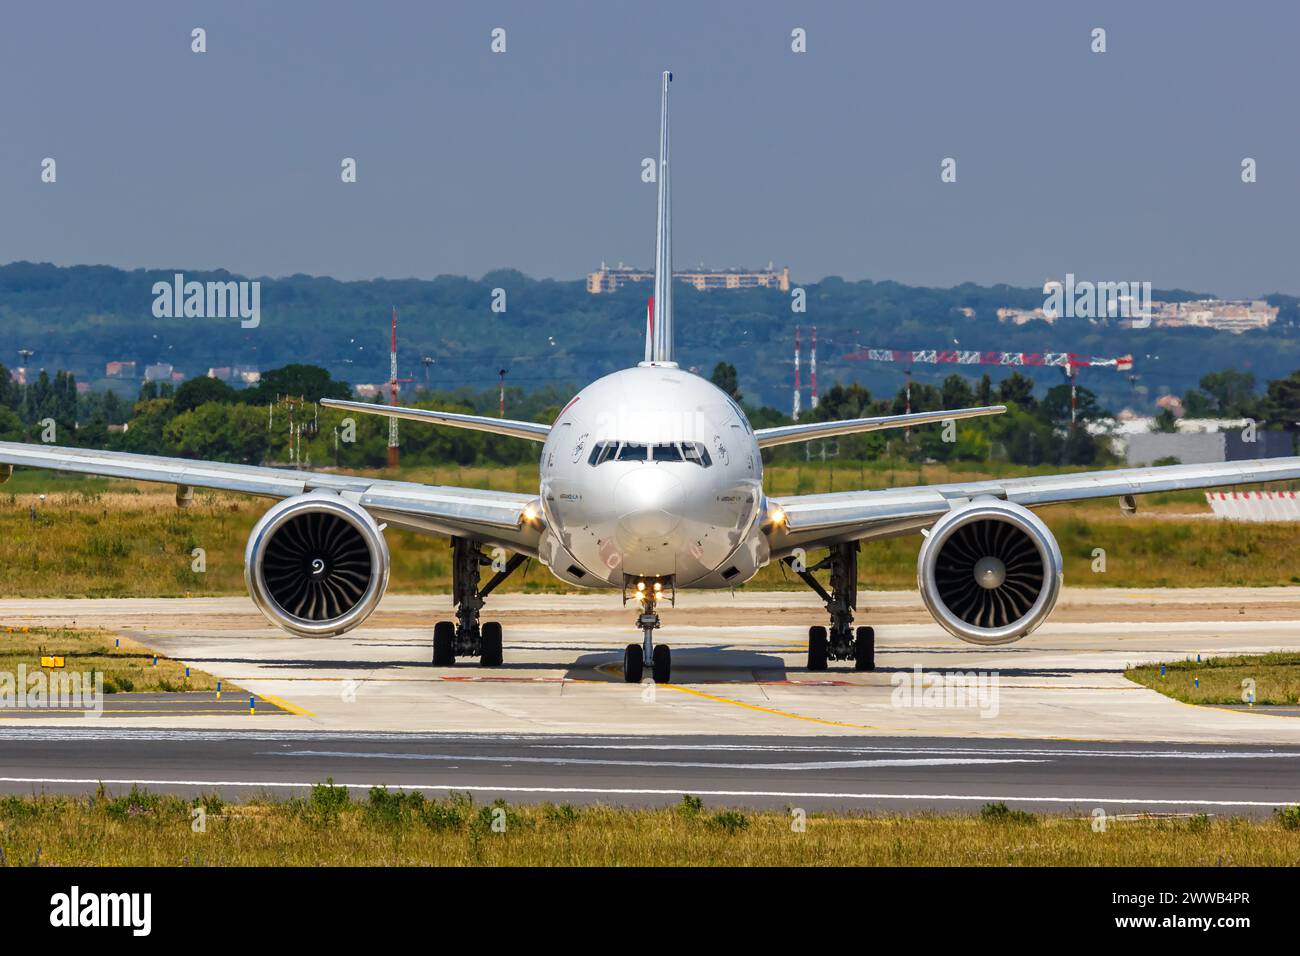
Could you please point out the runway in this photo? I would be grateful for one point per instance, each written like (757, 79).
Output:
(1049, 723)
(809, 772)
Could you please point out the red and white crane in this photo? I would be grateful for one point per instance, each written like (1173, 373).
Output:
(1068, 362)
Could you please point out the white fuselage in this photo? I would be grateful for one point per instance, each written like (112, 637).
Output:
(652, 472)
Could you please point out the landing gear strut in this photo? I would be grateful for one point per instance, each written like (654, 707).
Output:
(841, 642)
(636, 656)
(466, 637)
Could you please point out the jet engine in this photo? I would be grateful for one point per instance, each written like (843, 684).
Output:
(316, 564)
(989, 571)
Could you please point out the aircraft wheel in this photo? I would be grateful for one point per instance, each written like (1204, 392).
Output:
(817, 648)
(663, 664)
(444, 644)
(490, 645)
(633, 664)
(864, 650)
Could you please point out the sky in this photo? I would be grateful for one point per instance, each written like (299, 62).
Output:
(1122, 165)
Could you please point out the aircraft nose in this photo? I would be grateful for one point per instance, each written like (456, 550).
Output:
(648, 502)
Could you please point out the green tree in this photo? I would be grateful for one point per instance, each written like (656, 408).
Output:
(220, 432)
(724, 376)
(957, 392)
(1055, 406)
(1017, 388)
(1166, 422)
(199, 391)
(1233, 393)
(1281, 405)
(311, 382)
(11, 426)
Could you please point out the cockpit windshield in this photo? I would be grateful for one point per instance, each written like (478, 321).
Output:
(673, 451)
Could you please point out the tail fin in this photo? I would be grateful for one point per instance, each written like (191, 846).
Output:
(659, 331)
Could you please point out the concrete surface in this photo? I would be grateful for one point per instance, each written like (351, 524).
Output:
(738, 667)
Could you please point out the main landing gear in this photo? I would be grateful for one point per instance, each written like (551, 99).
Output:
(841, 642)
(466, 637)
(649, 591)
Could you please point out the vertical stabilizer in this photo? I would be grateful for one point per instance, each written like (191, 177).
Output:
(659, 330)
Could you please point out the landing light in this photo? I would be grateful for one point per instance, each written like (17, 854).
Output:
(530, 513)
(776, 516)
(640, 585)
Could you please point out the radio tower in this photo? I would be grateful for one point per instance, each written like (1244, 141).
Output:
(812, 368)
(794, 412)
(393, 454)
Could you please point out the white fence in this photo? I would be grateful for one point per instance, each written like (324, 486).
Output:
(1254, 505)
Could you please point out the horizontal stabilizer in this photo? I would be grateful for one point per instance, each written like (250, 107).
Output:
(481, 423)
(785, 434)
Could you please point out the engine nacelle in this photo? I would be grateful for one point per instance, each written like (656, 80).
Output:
(316, 564)
(989, 571)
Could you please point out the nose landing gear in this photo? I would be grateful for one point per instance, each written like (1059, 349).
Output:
(636, 656)
(841, 642)
(466, 637)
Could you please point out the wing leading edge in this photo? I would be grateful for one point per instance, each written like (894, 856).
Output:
(497, 517)
(533, 431)
(785, 434)
(813, 520)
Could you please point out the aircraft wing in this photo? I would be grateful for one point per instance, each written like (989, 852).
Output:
(494, 517)
(533, 431)
(785, 434)
(818, 520)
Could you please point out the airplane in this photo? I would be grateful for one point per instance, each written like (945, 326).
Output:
(651, 482)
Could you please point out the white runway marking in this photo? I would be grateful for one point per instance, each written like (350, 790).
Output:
(681, 764)
(598, 742)
(611, 791)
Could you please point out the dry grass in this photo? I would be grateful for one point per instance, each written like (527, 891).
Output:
(1274, 678)
(126, 665)
(94, 538)
(390, 829)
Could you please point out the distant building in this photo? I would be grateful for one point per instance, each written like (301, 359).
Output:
(1198, 448)
(158, 372)
(607, 279)
(1021, 316)
(1235, 316)
(1197, 440)
(367, 391)
(222, 373)
(119, 370)
(246, 374)
(1226, 315)
(18, 376)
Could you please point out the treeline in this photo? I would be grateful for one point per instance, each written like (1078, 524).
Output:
(1032, 431)
(280, 420)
